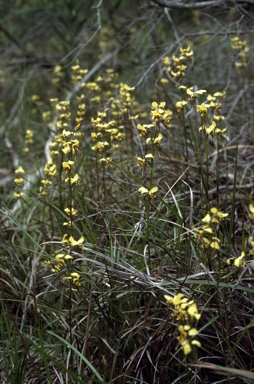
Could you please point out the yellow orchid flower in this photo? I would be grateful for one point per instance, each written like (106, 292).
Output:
(151, 192)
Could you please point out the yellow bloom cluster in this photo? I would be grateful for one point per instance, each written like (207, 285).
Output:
(65, 141)
(63, 150)
(78, 73)
(206, 232)
(106, 135)
(108, 124)
(57, 74)
(213, 103)
(211, 107)
(160, 114)
(185, 313)
(126, 97)
(74, 276)
(29, 139)
(241, 48)
(69, 240)
(153, 136)
(177, 67)
(108, 132)
(59, 261)
(213, 129)
(179, 63)
(19, 182)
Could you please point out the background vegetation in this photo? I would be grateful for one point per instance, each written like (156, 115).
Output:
(114, 195)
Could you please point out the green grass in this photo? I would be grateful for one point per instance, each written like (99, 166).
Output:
(87, 258)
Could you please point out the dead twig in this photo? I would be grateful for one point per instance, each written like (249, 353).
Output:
(201, 4)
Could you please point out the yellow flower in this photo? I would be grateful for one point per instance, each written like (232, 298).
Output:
(218, 213)
(67, 148)
(194, 94)
(186, 52)
(141, 161)
(186, 347)
(157, 140)
(182, 338)
(35, 98)
(193, 311)
(176, 300)
(143, 128)
(29, 136)
(67, 165)
(151, 192)
(251, 241)
(218, 118)
(251, 209)
(158, 110)
(76, 242)
(219, 94)
(213, 129)
(166, 60)
(180, 105)
(66, 133)
(215, 243)
(74, 179)
(68, 257)
(74, 276)
(186, 332)
(59, 260)
(164, 81)
(207, 229)
(50, 169)
(71, 212)
(238, 262)
(46, 183)
(19, 181)
(107, 160)
(100, 146)
(207, 219)
(74, 145)
(193, 332)
(202, 109)
(196, 342)
(18, 195)
(19, 170)
(65, 241)
(95, 135)
(149, 156)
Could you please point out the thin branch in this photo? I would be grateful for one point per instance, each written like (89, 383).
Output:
(30, 57)
(12, 152)
(201, 4)
(13, 39)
